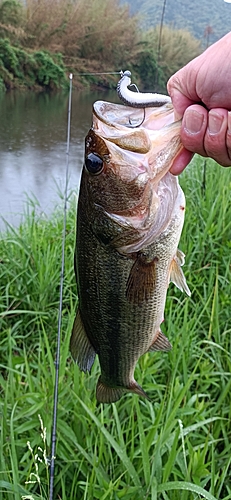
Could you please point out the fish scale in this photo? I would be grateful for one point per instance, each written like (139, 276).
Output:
(125, 258)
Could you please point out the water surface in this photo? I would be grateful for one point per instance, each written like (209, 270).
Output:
(33, 145)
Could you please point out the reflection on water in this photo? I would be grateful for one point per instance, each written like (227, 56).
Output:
(33, 132)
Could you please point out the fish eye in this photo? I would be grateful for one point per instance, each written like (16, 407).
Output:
(94, 164)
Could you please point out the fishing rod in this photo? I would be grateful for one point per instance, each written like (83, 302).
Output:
(55, 407)
(57, 360)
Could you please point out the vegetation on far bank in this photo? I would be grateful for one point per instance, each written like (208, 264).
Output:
(176, 446)
(20, 68)
(42, 41)
(212, 23)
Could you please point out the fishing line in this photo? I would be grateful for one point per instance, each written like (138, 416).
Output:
(103, 73)
(54, 425)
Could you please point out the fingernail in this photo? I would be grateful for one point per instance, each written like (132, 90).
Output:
(193, 121)
(229, 122)
(215, 122)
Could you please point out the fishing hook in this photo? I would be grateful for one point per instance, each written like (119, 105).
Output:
(125, 88)
(138, 99)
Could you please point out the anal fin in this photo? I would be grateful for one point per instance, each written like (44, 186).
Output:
(161, 343)
(106, 394)
(81, 349)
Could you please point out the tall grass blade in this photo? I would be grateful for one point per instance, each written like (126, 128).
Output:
(120, 450)
(184, 486)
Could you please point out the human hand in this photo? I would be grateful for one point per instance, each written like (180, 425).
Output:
(205, 81)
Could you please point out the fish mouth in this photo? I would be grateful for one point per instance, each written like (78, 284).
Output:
(138, 160)
(118, 116)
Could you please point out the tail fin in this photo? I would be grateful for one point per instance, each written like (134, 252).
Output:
(106, 394)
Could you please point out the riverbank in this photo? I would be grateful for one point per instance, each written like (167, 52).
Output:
(43, 70)
(176, 445)
(41, 42)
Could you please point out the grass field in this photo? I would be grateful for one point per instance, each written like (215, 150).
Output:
(176, 447)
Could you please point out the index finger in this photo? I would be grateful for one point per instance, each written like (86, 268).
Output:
(179, 100)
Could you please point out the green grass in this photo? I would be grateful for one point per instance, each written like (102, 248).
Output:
(178, 445)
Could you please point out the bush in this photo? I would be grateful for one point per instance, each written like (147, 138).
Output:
(19, 67)
(67, 26)
(175, 49)
(11, 12)
(48, 73)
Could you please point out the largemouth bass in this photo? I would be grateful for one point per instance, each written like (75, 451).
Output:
(129, 221)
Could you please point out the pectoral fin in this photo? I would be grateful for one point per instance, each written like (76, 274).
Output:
(180, 256)
(141, 281)
(81, 349)
(161, 343)
(176, 273)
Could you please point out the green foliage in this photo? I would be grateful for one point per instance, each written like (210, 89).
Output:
(20, 68)
(176, 446)
(159, 56)
(169, 51)
(11, 12)
(2, 85)
(49, 73)
(195, 17)
(9, 59)
(77, 31)
(11, 20)
(147, 67)
(63, 26)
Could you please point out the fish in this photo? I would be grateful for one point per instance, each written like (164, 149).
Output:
(129, 220)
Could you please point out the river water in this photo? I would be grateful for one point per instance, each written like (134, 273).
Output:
(33, 145)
